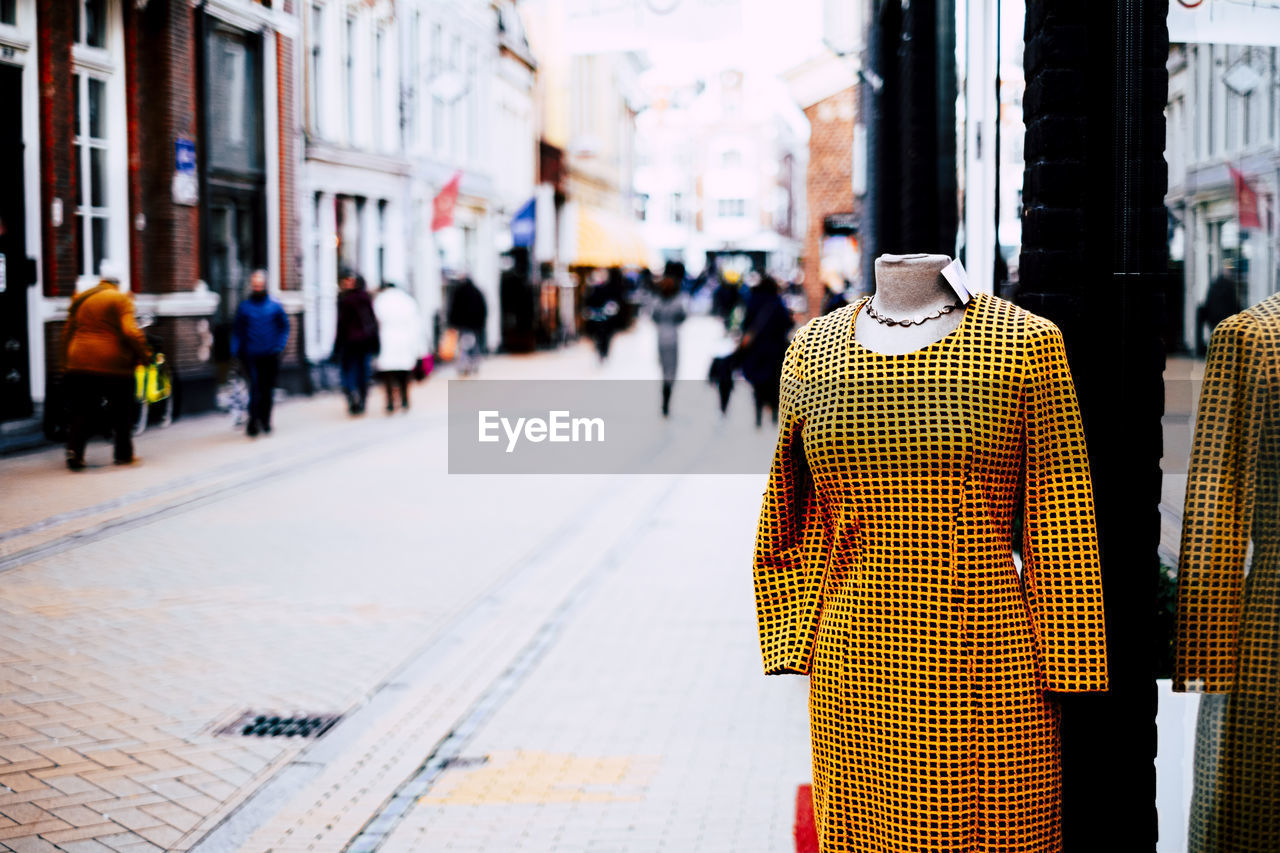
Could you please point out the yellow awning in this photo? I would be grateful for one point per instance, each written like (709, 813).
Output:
(607, 239)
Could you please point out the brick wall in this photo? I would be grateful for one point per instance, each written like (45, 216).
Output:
(160, 62)
(55, 34)
(290, 154)
(828, 184)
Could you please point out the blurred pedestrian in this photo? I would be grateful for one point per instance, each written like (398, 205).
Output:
(468, 313)
(356, 341)
(725, 298)
(834, 288)
(1220, 303)
(403, 340)
(604, 305)
(767, 326)
(259, 335)
(102, 345)
(669, 311)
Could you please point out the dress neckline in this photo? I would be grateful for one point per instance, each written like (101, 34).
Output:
(946, 339)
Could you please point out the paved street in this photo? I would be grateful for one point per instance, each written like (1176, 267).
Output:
(523, 663)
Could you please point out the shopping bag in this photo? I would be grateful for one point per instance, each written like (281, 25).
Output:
(152, 382)
(422, 369)
(449, 345)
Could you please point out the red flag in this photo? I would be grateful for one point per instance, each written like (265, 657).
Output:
(1246, 200)
(442, 207)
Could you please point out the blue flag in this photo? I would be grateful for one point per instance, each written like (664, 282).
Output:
(523, 224)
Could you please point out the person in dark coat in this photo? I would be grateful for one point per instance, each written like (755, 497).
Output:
(724, 299)
(1219, 304)
(767, 324)
(604, 303)
(468, 313)
(833, 295)
(669, 311)
(356, 341)
(259, 335)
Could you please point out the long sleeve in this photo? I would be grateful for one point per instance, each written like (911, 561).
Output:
(69, 331)
(282, 330)
(1218, 511)
(792, 539)
(1060, 565)
(239, 331)
(137, 340)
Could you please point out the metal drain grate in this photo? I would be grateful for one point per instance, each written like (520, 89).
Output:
(260, 724)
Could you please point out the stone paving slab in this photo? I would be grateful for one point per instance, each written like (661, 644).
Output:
(649, 726)
(127, 643)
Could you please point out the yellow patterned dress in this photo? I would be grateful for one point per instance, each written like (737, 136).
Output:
(1228, 614)
(884, 570)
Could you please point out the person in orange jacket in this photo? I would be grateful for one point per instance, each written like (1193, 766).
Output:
(101, 346)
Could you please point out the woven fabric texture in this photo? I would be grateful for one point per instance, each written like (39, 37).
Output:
(1228, 612)
(884, 570)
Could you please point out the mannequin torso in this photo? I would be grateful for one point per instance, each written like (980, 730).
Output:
(908, 286)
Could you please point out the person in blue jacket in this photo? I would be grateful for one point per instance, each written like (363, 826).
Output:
(258, 337)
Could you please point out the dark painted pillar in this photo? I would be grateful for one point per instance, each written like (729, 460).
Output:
(1093, 260)
(914, 200)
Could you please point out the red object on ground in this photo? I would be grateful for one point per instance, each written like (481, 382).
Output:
(806, 830)
(442, 206)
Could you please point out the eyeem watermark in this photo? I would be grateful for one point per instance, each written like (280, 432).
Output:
(559, 426)
(605, 427)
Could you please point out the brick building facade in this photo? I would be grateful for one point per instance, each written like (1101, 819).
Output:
(825, 87)
(833, 210)
(147, 127)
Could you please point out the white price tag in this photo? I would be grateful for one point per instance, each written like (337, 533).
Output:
(956, 277)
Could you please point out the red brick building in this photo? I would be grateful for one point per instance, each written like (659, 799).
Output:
(159, 134)
(826, 90)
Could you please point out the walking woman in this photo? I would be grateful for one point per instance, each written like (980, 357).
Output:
(766, 326)
(402, 340)
(668, 313)
(356, 341)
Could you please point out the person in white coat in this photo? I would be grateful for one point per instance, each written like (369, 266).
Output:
(403, 339)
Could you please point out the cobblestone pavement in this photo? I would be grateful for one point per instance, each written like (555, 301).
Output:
(524, 663)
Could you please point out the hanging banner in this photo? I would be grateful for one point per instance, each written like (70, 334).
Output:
(1246, 200)
(524, 224)
(592, 26)
(1224, 22)
(444, 203)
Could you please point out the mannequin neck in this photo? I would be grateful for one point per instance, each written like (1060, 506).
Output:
(911, 284)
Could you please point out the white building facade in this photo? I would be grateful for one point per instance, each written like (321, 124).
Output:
(401, 97)
(1223, 111)
(724, 176)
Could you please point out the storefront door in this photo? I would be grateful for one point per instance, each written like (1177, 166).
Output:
(235, 250)
(15, 269)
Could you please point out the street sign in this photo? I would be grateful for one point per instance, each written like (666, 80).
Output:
(836, 224)
(186, 188)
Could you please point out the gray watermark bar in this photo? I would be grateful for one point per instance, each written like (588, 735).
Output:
(603, 427)
(612, 426)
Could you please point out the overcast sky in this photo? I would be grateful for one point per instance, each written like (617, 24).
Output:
(775, 35)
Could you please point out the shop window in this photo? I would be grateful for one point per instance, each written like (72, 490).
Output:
(91, 151)
(351, 80)
(91, 23)
(314, 100)
(382, 241)
(378, 41)
(732, 208)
